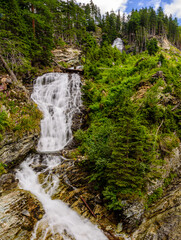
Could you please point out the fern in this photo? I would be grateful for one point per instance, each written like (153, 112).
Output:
(4, 121)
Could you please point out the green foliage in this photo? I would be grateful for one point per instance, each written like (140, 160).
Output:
(169, 141)
(4, 121)
(128, 117)
(155, 196)
(169, 179)
(152, 46)
(30, 29)
(131, 112)
(2, 169)
(146, 21)
(19, 117)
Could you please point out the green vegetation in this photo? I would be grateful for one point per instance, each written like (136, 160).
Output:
(30, 29)
(17, 115)
(132, 124)
(152, 47)
(155, 196)
(2, 169)
(132, 99)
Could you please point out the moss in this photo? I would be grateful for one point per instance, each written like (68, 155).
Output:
(155, 196)
(18, 114)
(2, 169)
(169, 179)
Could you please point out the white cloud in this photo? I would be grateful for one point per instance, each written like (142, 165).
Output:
(140, 4)
(155, 3)
(108, 5)
(173, 8)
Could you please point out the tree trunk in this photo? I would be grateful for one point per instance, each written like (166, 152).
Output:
(11, 73)
(13, 77)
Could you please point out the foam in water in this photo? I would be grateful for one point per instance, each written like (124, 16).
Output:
(118, 43)
(59, 216)
(59, 97)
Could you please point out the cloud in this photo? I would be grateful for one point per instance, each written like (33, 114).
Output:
(173, 8)
(140, 4)
(108, 5)
(154, 3)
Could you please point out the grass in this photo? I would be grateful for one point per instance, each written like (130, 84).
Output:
(17, 115)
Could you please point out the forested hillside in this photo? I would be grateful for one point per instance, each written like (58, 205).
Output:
(29, 30)
(134, 122)
(132, 98)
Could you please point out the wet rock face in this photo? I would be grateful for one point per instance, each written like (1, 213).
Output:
(163, 220)
(19, 212)
(78, 122)
(79, 119)
(13, 149)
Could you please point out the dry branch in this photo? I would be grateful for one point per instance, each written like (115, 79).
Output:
(69, 70)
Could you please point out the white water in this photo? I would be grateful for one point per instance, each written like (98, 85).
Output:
(59, 97)
(118, 43)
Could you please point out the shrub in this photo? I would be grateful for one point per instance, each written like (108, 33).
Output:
(152, 46)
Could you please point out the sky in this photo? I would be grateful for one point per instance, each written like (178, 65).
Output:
(169, 6)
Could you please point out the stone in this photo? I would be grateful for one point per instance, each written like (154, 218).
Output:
(12, 220)
(13, 149)
(119, 228)
(26, 213)
(70, 56)
(132, 214)
(7, 182)
(158, 74)
(163, 220)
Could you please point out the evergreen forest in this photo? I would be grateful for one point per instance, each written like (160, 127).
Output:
(132, 97)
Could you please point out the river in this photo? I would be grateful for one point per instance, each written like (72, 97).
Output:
(58, 95)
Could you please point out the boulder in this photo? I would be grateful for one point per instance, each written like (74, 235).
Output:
(7, 182)
(13, 149)
(19, 212)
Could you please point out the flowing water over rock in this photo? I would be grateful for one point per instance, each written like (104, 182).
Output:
(59, 97)
(118, 43)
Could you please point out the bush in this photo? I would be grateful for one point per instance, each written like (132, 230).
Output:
(2, 169)
(155, 196)
(152, 46)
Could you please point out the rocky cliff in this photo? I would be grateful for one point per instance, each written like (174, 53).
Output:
(163, 220)
(19, 123)
(19, 131)
(19, 210)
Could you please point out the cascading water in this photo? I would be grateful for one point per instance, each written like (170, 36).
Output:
(59, 97)
(118, 43)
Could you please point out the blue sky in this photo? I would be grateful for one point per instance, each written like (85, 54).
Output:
(169, 6)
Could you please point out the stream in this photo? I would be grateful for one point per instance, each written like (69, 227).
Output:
(58, 96)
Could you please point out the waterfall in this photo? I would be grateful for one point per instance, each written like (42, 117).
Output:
(118, 43)
(59, 98)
